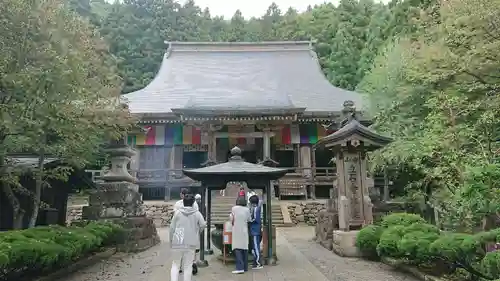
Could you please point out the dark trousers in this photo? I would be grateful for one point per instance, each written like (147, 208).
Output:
(241, 259)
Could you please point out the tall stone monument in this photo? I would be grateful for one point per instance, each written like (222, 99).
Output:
(117, 199)
(352, 198)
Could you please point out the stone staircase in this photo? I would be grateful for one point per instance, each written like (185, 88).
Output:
(221, 208)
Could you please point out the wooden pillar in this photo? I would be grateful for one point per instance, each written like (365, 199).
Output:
(208, 216)
(134, 162)
(305, 160)
(203, 262)
(266, 141)
(212, 146)
(296, 158)
(313, 174)
(270, 253)
(265, 194)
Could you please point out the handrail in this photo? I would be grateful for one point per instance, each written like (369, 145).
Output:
(177, 174)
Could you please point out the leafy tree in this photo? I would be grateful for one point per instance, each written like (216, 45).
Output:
(59, 91)
(446, 88)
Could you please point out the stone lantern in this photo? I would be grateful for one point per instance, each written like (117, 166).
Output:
(117, 199)
(351, 203)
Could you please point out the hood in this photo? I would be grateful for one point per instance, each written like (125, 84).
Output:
(187, 211)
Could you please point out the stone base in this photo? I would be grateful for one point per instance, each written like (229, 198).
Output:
(113, 200)
(327, 223)
(344, 243)
(139, 234)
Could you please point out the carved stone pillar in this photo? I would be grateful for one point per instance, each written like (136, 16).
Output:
(350, 144)
(355, 207)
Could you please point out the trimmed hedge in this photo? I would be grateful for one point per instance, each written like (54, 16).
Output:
(408, 238)
(33, 252)
(368, 239)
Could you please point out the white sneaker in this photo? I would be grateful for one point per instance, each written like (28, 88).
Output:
(257, 267)
(238, 271)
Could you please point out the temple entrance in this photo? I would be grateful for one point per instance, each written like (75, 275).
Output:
(285, 158)
(249, 156)
(324, 158)
(324, 172)
(193, 159)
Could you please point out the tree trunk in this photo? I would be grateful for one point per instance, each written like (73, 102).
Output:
(17, 211)
(38, 189)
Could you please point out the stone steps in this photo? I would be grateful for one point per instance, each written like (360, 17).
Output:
(221, 208)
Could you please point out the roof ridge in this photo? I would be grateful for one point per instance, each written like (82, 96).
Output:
(240, 46)
(239, 43)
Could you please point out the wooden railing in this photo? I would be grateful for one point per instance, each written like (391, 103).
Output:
(310, 175)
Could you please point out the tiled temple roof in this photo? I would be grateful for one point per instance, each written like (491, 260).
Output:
(241, 76)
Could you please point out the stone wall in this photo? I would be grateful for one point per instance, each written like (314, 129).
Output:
(160, 212)
(305, 213)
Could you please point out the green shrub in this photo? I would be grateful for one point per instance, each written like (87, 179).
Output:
(404, 219)
(422, 227)
(450, 247)
(388, 244)
(415, 246)
(31, 252)
(410, 241)
(368, 239)
(492, 236)
(490, 264)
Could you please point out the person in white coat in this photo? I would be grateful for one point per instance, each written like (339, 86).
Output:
(240, 216)
(184, 232)
(179, 204)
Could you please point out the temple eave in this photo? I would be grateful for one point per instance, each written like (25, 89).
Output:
(236, 112)
(370, 138)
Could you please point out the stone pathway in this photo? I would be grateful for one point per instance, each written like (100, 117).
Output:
(299, 260)
(337, 268)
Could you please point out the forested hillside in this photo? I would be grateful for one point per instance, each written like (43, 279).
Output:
(348, 36)
(430, 68)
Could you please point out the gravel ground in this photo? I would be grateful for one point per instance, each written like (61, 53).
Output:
(145, 266)
(299, 259)
(337, 268)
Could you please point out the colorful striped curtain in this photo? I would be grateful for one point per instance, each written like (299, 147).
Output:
(191, 135)
(177, 134)
(283, 136)
(160, 135)
(311, 133)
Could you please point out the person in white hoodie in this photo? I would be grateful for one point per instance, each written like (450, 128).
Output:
(179, 204)
(185, 229)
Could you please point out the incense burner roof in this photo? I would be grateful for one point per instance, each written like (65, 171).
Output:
(240, 76)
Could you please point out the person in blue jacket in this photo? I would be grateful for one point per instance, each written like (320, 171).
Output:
(255, 229)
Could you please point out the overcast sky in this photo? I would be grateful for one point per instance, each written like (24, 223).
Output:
(254, 8)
